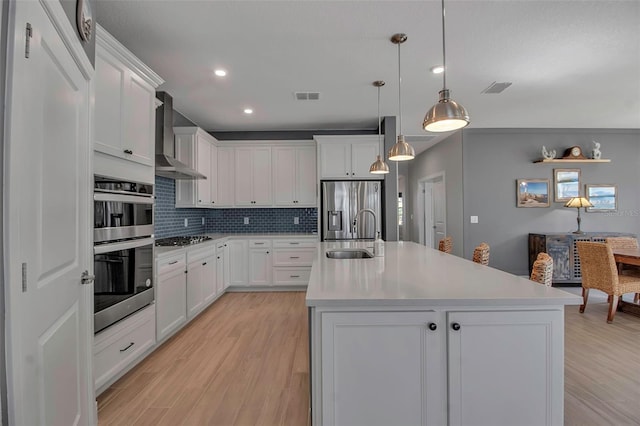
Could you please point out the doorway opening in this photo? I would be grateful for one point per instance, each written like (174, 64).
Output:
(432, 209)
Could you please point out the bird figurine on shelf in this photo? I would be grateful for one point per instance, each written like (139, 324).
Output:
(548, 155)
(596, 154)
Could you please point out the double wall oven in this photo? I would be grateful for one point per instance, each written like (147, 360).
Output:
(123, 249)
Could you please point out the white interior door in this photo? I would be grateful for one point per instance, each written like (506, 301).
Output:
(47, 205)
(428, 239)
(439, 211)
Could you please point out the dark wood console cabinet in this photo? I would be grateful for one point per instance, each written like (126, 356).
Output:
(562, 248)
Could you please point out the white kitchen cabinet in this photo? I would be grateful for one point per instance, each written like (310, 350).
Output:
(253, 176)
(434, 367)
(194, 148)
(347, 157)
(220, 268)
(260, 264)
(125, 105)
(171, 294)
(294, 176)
(225, 176)
(201, 286)
(292, 259)
(238, 262)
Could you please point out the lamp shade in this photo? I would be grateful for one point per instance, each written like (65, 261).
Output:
(379, 167)
(401, 151)
(578, 202)
(446, 115)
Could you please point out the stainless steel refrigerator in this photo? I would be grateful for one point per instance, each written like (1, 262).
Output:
(341, 202)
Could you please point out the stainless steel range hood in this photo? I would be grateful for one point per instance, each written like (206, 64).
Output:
(166, 164)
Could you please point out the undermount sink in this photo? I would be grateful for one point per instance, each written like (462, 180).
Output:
(349, 253)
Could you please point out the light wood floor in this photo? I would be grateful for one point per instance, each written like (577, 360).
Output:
(245, 362)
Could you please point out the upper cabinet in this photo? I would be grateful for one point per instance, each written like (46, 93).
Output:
(125, 105)
(253, 177)
(294, 176)
(197, 149)
(347, 157)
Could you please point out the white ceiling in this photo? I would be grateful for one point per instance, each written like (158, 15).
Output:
(573, 63)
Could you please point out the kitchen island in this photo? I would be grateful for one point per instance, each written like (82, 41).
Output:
(420, 337)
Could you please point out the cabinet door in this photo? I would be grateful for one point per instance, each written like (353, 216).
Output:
(209, 276)
(306, 177)
(238, 253)
(284, 176)
(186, 152)
(140, 120)
(203, 165)
(213, 175)
(220, 272)
(335, 160)
(518, 356)
(194, 288)
(261, 186)
(260, 267)
(109, 84)
(244, 177)
(383, 368)
(363, 154)
(171, 301)
(226, 162)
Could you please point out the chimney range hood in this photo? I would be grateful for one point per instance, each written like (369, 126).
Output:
(166, 164)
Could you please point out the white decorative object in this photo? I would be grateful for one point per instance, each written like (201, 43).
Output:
(548, 155)
(596, 151)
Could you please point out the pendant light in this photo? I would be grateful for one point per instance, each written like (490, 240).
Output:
(401, 151)
(379, 167)
(447, 114)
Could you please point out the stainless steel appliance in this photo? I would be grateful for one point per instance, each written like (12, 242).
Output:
(123, 249)
(181, 240)
(351, 210)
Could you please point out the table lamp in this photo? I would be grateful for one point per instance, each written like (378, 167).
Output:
(578, 202)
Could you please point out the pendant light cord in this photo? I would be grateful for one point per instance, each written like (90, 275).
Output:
(379, 125)
(399, 90)
(444, 54)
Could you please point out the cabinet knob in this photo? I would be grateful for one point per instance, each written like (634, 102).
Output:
(128, 151)
(352, 174)
(218, 257)
(267, 252)
(455, 326)
(432, 326)
(347, 173)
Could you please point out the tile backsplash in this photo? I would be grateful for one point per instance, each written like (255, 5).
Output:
(170, 221)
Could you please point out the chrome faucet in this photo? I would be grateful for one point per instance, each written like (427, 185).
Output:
(375, 224)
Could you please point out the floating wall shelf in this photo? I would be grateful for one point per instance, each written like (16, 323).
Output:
(560, 160)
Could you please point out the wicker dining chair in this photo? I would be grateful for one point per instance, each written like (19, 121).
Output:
(625, 243)
(446, 245)
(599, 271)
(542, 271)
(481, 254)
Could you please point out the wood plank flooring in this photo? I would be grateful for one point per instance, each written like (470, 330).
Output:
(245, 362)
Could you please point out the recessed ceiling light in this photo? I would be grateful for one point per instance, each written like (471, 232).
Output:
(220, 72)
(248, 111)
(437, 69)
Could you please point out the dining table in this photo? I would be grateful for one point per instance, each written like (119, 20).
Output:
(628, 257)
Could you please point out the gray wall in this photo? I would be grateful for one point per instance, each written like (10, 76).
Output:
(494, 159)
(390, 207)
(89, 46)
(446, 157)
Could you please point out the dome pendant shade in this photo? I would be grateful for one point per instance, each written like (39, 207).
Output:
(379, 167)
(446, 115)
(401, 151)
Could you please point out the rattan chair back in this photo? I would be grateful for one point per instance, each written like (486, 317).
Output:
(622, 242)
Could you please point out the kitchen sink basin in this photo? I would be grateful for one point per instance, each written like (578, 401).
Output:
(349, 253)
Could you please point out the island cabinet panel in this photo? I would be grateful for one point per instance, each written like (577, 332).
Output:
(504, 366)
(383, 368)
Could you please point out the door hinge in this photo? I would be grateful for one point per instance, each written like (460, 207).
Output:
(28, 35)
(24, 277)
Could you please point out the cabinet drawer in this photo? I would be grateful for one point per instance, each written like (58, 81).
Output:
(294, 243)
(291, 276)
(171, 264)
(116, 347)
(293, 257)
(194, 254)
(259, 243)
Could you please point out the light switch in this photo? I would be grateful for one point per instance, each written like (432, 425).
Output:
(296, 220)
(186, 222)
(246, 220)
(203, 220)
(474, 219)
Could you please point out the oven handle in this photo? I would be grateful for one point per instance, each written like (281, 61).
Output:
(124, 245)
(121, 198)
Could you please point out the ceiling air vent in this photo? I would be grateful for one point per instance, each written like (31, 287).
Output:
(307, 96)
(495, 88)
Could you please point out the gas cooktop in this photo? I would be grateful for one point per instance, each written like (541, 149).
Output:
(181, 241)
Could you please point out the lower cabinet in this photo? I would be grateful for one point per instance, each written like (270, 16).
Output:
(259, 263)
(238, 262)
(201, 279)
(171, 294)
(438, 367)
(119, 347)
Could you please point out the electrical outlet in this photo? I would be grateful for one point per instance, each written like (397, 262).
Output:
(474, 219)
(203, 220)
(186, 222)
(246, 220)
(296, 220)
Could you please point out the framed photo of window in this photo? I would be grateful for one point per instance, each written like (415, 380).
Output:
(567, 184)
(532, 193)
(604, 197)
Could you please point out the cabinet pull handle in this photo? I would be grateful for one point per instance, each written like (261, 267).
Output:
(204, 263)
(173, 263)
(433, 326)
(294, 276)
(258, 244)
(127, 348)
(294, 243)
(455, 326)
(128, 151)
(294, 257)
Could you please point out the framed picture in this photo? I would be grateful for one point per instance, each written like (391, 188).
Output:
(604, 197)
(567, 184)
(532, 193)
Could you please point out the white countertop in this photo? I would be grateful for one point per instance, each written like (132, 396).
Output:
(410, 274)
